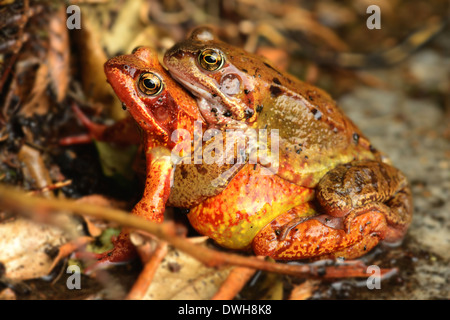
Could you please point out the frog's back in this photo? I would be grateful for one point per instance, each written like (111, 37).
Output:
(315, 135)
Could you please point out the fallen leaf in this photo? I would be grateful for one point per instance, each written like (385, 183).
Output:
(58, 54)
(7, 294)
(38, 101)
(304, 290)
(125, 28)
(92, 57)
(34, 170)
(272, 287)
(24, 245)
(181, 277)
(116, 161)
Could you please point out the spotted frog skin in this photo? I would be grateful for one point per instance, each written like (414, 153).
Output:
(154, 101)
(353, 197)
(227, 211)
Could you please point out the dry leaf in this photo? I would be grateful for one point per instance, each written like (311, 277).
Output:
(272, 286)
(304, 290)
(58, 54)
(7, 294)
(181, 277)
(125, 28)
(92, 57)
(34, 169)
(38, 101)
(24, 244)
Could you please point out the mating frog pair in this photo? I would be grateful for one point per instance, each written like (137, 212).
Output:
(330, 195)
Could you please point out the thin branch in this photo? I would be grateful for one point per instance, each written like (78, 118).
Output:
(11, 199)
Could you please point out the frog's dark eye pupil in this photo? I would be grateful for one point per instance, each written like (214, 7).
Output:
(211, 60)
(150, 84)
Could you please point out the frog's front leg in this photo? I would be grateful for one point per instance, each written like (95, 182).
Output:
(157, 185)
(150, 207)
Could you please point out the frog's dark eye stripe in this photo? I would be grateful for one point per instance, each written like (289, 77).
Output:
(211, 60)
(136, 49)
(150, 84)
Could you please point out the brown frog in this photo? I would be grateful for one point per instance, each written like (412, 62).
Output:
(359, 198)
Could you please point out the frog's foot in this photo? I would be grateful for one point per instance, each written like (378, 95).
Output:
(360, 186)
(123, 251)
(321, 236)
(122, 133)
(95, 130)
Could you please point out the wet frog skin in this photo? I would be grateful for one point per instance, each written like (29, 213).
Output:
(153, 100)
(162, 108)
(245, 91)
(360, 199)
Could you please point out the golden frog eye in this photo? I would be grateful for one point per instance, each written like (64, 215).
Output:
(211, 60)
(150, 84)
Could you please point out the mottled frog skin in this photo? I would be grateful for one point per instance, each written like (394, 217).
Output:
(355, 197)
(168, 117)
(330, 195)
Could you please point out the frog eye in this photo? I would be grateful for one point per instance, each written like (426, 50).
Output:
(211, 60)
(150, 84)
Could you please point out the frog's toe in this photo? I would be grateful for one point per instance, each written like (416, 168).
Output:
(123, 252)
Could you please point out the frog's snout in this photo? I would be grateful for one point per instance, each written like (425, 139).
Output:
(127, 65)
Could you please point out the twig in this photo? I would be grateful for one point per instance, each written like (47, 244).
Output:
(146, 276)
(56, 185)
(19, 201)
(66, 249)
(234, 283)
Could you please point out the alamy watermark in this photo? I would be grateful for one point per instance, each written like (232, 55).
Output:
(374, 21)
(74, 20)
(374, 280)
(74, 280)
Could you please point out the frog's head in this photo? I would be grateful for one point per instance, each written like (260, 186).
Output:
(148, 92)
(218, 74)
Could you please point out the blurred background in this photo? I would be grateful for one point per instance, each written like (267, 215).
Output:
(393, 82)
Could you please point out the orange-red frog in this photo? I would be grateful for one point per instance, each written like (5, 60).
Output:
(331, 194)
(160, 107)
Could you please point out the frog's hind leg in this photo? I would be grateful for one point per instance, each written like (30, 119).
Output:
(322, 236)
(351, 189)
(360, 203)
(122, 133)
